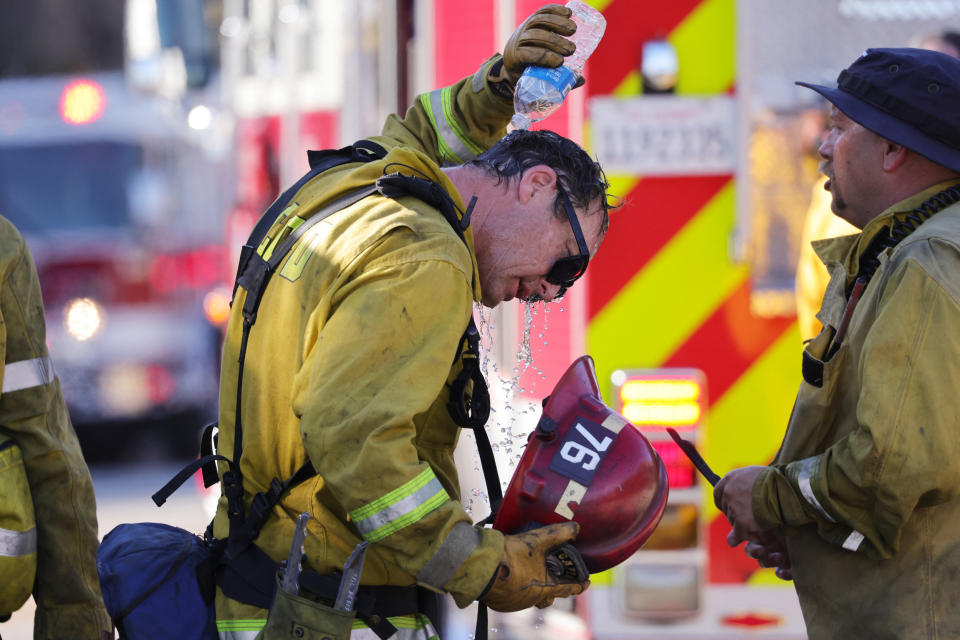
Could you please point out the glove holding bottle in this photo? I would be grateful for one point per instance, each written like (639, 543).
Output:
(541, 90)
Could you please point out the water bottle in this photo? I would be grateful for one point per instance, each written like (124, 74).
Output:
(540, 90)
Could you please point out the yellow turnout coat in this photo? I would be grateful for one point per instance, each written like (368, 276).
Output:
(349, 364)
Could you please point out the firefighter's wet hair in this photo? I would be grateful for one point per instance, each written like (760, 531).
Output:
(582, 177)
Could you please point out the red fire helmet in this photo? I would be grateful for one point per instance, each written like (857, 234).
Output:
(587, 463)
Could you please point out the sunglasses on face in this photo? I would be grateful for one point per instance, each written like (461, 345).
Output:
(565, 271)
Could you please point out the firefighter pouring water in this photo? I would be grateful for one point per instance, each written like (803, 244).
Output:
(362, 361)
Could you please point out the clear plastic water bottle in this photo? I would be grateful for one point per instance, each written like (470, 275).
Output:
(540, 91)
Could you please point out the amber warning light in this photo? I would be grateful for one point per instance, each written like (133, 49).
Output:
(82, 102)
(660, 400)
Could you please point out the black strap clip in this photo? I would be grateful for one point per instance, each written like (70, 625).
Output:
(469, 404)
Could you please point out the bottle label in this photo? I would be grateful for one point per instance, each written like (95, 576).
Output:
(560, 77)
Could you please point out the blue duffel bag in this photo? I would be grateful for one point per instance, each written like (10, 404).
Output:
(157, 582)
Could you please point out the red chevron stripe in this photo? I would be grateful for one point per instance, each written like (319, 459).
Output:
(724, 347)
(729, 342)
(654, 211)
(630, 23)
(727, 565)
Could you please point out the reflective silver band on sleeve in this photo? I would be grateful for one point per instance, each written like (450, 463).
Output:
(240, 635)
(440, 106)
(409, 627)
(479, 79)
(456, 548)
(853, 541)
(808, 467)
(27, 373)
(402, 506)
(14, 544)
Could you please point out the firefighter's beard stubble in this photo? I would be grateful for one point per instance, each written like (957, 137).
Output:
(837, 202)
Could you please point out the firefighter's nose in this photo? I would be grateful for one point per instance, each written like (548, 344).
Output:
(826, 146)
(548, 291)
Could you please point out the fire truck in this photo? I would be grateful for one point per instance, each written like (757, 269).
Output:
(688, 308)
(118, 204)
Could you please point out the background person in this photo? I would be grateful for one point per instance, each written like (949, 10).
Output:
(864, 490)
(821, 222)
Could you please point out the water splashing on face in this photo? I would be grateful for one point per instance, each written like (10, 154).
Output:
(515, 409)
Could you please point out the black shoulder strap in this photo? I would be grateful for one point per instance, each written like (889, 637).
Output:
(255, 277)
(320, 161)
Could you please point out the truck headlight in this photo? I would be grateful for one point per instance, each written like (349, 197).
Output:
(662, 591)
(83, 318)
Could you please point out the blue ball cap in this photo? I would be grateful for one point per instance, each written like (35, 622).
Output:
(908, 96)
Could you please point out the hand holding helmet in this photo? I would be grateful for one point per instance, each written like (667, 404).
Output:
(523, 579)
(586, 464)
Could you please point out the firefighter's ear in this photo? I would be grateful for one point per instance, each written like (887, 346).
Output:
(894, 155)
(536, 179)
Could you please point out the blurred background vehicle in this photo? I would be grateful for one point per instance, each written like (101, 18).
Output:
(119, 195)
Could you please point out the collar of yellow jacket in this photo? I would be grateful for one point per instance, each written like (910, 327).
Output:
(847, 249)
(411, 162)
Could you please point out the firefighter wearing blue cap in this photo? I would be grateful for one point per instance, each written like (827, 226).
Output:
(861, 505)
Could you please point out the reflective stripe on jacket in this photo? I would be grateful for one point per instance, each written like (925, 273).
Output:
(408, 628)
(866, 483)
(33, 414)
(350, 363)
(18, 530)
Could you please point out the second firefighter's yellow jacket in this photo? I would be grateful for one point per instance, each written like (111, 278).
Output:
(350, 361)
(39, 448)
(867, 481)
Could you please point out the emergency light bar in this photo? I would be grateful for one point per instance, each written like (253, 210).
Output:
(82, 102)
(664, 580)
(654, 398)
(680, 471)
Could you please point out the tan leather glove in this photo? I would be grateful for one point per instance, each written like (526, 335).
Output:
(522, 580)
(539, 41)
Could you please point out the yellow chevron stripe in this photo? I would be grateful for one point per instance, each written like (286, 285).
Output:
(765, 392)
(599, 5)
(666, 301)
(630, 86)
(762, 578)
(621, 185)
(706, 48)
